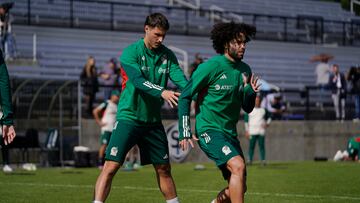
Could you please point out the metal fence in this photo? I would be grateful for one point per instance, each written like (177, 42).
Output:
(130, 17)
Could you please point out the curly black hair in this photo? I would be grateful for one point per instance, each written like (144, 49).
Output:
(223, 33)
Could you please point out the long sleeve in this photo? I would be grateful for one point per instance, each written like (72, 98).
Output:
(132, 69)
(176, 74)
(5, 94)
(200, 80)
(249, 96)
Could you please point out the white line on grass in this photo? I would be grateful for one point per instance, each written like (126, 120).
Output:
(188, 190)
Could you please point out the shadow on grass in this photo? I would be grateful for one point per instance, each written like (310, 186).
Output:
(21, 174)
(270, 166)
(72, 172)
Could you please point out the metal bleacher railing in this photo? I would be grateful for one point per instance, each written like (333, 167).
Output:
(189, 21)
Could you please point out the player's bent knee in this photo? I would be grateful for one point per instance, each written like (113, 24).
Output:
(236, 166)
(110, 168)
(164, 169)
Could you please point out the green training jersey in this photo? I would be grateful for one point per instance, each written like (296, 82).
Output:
(5, 94)
(148, 72)
(353, 147)
(221, 93)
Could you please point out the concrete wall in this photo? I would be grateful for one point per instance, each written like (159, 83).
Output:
(285, 140)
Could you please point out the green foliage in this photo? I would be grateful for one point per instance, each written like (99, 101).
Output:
(280, 182)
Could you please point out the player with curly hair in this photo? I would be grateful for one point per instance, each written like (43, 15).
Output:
(224, 84)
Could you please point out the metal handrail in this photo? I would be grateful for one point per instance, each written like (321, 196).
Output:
(55, 96)
(36, 96)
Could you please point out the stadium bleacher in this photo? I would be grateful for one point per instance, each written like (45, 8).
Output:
(124, 15)
(272, 60)
(62, 51)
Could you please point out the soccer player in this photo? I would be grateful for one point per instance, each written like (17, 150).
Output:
(6, 120)
(108, 110)
(224, 84)
(352, 152)
(256, 123)
(148, 65)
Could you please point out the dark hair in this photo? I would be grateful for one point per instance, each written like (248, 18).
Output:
(157, 20)
(223, 33)
(7, 6)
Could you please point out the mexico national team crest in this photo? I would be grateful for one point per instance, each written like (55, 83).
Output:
(114, 151)
(176, 154)
(226, 150)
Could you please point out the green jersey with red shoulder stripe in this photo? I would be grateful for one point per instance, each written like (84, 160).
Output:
(353, 147)
(148, 72)
(219, 83)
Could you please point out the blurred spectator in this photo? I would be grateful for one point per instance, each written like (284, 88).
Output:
(337, 85)
(105, 117)
(274, 104)
(90, 84)
(108, 77)
(353, 77)
(256, 123)
(8, 44)
(198, 60)
(352, 153)
(322, 72)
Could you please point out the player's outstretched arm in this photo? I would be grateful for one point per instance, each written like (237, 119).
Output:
(5, 103)
(176, 74)
(170, 97)
(200, 79)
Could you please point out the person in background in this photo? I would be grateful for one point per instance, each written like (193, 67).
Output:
(353, 77)
(322, 72)
(274, 104)
(352, 153)
(107, 111)
(8, 44)
(108, 77)
(90, 84)
(337, 85)
(198, 60)
(256, 123)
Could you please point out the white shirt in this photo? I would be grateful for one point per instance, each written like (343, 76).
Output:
(338, 81)
(257, 121)
(109, 116)
(322, 72)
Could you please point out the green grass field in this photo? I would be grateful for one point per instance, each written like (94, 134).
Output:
(277, 182)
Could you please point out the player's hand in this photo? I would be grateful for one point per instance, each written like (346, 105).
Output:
(184, 144)
(170, 97)
(102, 124)
(254, 83)
(8, 134)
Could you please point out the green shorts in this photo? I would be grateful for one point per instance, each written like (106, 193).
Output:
(152, 142)
(220, 148)
(105, 137)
